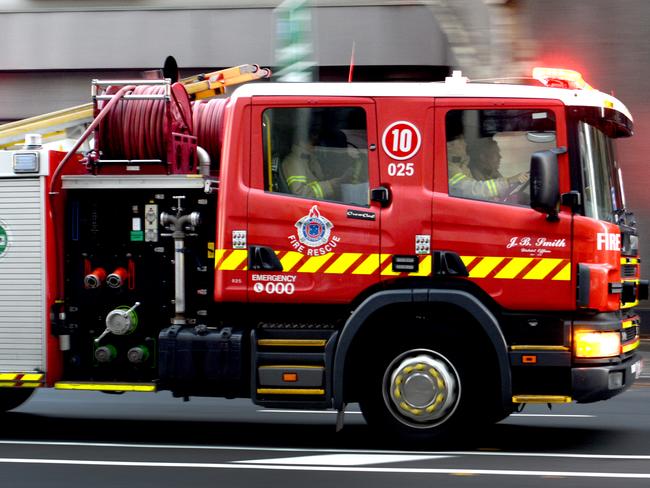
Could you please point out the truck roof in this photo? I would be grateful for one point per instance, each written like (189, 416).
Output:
(570, 97)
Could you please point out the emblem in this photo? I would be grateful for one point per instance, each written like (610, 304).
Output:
(314, 230)
(314, 235)
(4, 240)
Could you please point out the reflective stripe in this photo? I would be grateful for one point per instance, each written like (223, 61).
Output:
(513, 268)
(234, 260)
(296, 179)
(314, 264)
(424, 268)
(370, 264)
(32, 377)
(389, 269)
(564, 274)
(629, 347)
(456, 178)
(467, 260)
(492, 187)
(149, 387)
(290, 259)
(317, 189)
(542, 269)
(343, 262)
(355, 263)
(218, 254)
(484, 267)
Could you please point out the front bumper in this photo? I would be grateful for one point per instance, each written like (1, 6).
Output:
(594, 383)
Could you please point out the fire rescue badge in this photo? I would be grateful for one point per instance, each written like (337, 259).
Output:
(314, 230)
(314, 235)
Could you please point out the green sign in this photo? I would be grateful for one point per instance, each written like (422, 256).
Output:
(4, 240)
(293, 53)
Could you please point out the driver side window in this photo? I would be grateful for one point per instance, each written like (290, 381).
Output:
(488, 152)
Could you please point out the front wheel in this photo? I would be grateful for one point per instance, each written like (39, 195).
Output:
(13, 398)
(417, 394)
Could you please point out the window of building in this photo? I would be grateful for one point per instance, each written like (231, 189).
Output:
(488, 152)
(317, 153)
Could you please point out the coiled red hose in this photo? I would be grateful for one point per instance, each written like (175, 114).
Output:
(136, 129)
(208, 118)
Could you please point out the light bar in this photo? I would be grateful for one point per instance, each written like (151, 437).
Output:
(561, 78)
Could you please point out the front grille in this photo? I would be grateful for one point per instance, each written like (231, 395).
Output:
(630, 333)
(628, 270)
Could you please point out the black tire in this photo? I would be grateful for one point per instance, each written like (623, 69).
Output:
(11, 398)
(424, 389)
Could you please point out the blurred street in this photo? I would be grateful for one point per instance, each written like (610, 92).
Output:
(156, 440)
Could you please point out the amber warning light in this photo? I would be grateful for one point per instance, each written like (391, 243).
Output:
(561, 78)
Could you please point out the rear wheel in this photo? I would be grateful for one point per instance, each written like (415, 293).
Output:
(13, 398)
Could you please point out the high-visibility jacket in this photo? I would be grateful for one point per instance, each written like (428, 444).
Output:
(304, 175)
(463, 184)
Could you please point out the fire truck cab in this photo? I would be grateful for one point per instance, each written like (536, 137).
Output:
(440, 253)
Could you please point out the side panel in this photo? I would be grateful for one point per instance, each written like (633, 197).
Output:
(22, 267)
(517, 256)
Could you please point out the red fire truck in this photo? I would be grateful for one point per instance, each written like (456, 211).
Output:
(441, 253)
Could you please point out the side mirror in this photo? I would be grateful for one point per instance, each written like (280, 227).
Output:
(545, 182)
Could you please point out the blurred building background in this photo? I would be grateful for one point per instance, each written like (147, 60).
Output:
(51, 49)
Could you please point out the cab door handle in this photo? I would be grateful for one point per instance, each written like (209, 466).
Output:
(381, 195)
(263, 258)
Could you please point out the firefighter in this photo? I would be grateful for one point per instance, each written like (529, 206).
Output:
(306, 175)
(478, 176)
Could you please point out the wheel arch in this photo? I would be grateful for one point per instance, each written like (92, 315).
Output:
(463, 300)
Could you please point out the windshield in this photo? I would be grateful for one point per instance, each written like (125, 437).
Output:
(603, 191)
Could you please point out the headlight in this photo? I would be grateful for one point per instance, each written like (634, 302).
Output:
(592, 344)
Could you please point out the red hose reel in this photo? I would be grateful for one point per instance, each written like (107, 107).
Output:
(151, 124)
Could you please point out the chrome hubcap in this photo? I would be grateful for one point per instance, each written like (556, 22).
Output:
(421, 388)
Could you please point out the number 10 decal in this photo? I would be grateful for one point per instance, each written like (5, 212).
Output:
(401, 140)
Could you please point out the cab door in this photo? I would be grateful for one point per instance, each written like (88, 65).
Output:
(514, 253)
(313, 233)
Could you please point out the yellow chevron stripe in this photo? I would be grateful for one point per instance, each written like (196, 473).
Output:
(424, 268)
(564, 274)
(389, 269)
(542, 269)
(467, 259)
(513, 268)
(8, 376)
(485, 267)
(369, 265)
(314, 264)
(32, 377)
(290, 259)
(234, 260)
(218, 254)
(343, 262)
